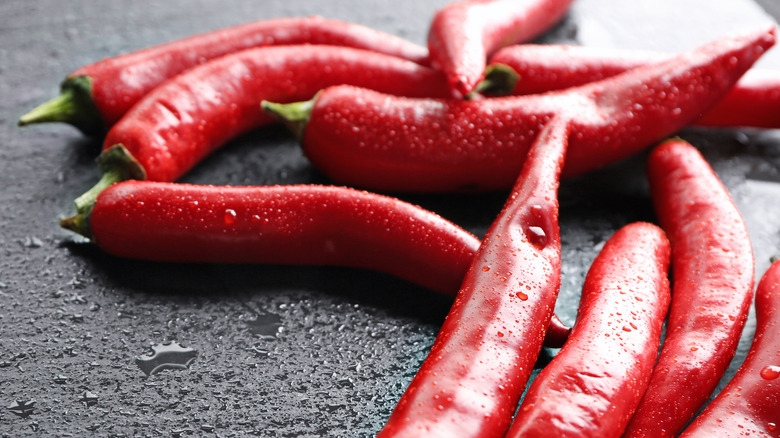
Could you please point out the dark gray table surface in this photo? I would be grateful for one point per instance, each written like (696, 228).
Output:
(272, 350)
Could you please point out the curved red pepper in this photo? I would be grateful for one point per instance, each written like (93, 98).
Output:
(463, 34)
(317, 225)
(298, 225)
(749, 405)
(180, 122)
(99, 94)
(368, 139)
(713, 267)
(592, 387)
(475, 373)
(753, 101)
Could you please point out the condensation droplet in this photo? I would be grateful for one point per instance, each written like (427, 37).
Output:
(166, 356)
(265, 325)
(88, 398)
(536, 236)
(770, 372)
(22, 408)
(230, 216)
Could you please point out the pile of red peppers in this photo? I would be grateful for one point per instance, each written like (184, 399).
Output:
(478, 109)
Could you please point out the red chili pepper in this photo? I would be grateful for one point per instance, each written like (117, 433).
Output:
(475, 373)
(179, 123)
(754, 100)
(300, 225)
(463, 34)
(278, 224)
(97, 95)
(713, 267)
(594, 384)
(749, 405)
(368, 139)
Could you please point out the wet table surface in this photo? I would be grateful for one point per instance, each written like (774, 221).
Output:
(272, 350)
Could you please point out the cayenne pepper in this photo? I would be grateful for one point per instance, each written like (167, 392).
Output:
(475, 373)
(713, 265)
(295, 224)
(97, 95)
(754, 101)
(463, 34)
(749, 405)
(594, 384)
(363, 138)
(180, 122)
(292, 224)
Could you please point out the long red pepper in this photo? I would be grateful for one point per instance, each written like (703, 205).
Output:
(368, 139)
(296, 224)
(754, 100)
(594, 384)
(97, 95)
(300, 225)
(463, 34)
(749, 405)
(475, 373)
(713, 266)
(180, 122)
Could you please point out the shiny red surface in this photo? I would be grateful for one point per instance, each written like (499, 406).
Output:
(372, 140)
(713, 266)
(121, 81)
(594, 384)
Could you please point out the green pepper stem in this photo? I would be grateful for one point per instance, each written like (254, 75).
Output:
(78, 223)
(74, 105)
(294, 115)
(499, 80)
(116, 164)
(87, 199)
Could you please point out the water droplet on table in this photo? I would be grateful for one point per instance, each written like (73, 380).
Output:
(170, 355)
(22, 408)
(60, 379)
(88, 398)
(265, 325)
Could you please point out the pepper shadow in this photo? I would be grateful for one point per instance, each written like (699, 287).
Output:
(185, 282)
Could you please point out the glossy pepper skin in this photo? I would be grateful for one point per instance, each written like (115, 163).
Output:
(593, 385)
(97, 95)
(754, 100)
(749, 405)
(295, 224)
(475, 373)
(713, 266)
(363, 138)
(182, 121)
(463, 34)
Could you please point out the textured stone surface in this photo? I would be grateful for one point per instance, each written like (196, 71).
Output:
(278, 351)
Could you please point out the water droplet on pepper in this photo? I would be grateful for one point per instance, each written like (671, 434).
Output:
(230, 216)
(536, 236)
(770, 372)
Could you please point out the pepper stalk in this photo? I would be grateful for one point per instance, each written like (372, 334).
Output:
(74, 106)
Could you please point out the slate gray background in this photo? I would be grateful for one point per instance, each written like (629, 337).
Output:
(281, 351)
